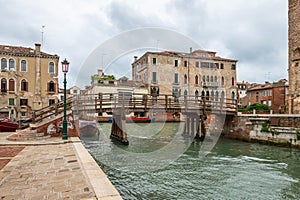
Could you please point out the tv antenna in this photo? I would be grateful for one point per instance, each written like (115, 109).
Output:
(42, 43)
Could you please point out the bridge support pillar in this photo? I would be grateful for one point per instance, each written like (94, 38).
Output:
(118, 131)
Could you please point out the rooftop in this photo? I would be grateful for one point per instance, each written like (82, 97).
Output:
(22, 51)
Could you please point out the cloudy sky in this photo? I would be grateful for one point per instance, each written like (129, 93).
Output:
(253, 32)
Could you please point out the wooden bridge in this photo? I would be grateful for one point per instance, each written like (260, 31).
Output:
(194, 108)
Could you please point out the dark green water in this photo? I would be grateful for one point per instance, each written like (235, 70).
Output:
(149, 169)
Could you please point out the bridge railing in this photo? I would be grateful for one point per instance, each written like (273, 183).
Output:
(106, 102)
(51, 111)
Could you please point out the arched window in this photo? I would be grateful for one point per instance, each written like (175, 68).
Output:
(223, 81)
(51, 68)
(185, 79)
(232, 81)
(51, 86)
(11, 85)
(216, 79)
(207, 95)
(196, 94)
(196, 80)
(203, 79)
(3, 85)
(23, 66)
(24, 85)
(207, 78)
(212, 95)
(11, 64)
(202, 95)
(3, 64)
(217, 96)
(222, 96)
(185, 92)
(233, 97)
(211, 79)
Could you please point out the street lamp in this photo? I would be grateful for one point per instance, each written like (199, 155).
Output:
(65, 68)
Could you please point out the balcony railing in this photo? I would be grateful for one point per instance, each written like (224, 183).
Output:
(210, 84)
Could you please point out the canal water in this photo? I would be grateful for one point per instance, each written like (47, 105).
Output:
(161, 164)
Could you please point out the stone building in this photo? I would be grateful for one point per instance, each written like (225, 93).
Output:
(29, 79)
(196, 73)
(294, 56)
(242, 92)
(272, 94)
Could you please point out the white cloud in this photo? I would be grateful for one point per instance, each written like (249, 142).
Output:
(253, 32)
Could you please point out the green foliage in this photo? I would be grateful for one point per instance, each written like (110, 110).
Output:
(298, 135)
(256, 106)
(265, 128)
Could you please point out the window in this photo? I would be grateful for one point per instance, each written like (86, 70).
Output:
(176, 78)
(232, 97)
(222, 66)
(24, 85)
(270, 93)
(264, 102)
(211, 79)
(232, 81)
(23, 66)
(11, 101)
(269, 103)
(51, 68)
(153, 77)
(196, 94)
(202, 95)
(11, 85)
(196, 80)
(263, 93)
(51, 86)
(74, 91)
(185, 63)
(3, 85)
(51, 102)
(207, 95)
(216, 79)
(197, 64)
(203, 79)
(233, 66)
(154, 61)
(176, 63)
(23, 102)
(207, 78)
(11, 65)
(3, 64)
(185, 79)
(185, 92)
(223, 81)
(217, 96)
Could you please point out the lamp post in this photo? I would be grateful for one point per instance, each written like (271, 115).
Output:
(65, 68)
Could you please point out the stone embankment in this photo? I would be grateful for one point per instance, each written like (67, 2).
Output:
(275, 129)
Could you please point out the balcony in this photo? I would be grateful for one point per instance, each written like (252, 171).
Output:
(210, 84)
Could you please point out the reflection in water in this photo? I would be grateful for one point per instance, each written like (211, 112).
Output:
(233, 170)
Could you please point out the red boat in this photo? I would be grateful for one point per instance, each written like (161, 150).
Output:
(138, 119)
(7, 125)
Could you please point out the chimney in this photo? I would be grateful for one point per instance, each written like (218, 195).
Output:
(135, 58)
(37, 48)
(191, 49)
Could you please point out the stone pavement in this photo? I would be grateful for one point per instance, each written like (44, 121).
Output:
(53, 169)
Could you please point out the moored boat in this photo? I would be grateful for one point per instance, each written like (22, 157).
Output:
(88, 128)
(7, 125)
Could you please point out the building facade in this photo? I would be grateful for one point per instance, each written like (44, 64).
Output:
(294, 56)
(242, 92)
(29, 79)
(272, 94)
(196, 73)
